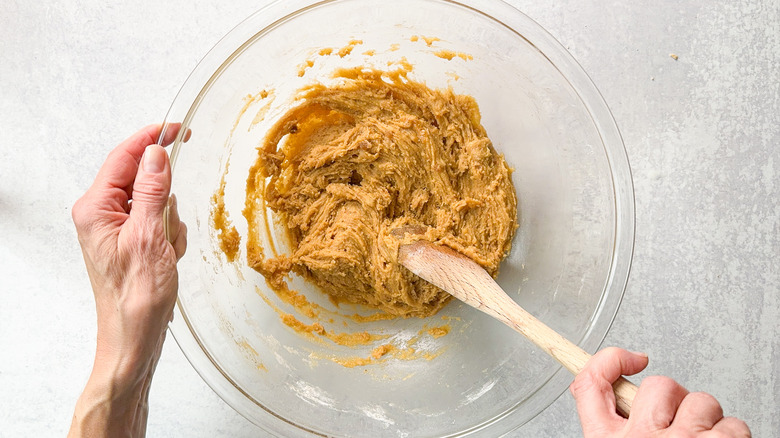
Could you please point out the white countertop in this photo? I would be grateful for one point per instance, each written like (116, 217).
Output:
(702, 134)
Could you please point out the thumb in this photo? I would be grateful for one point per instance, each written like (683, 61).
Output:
(593, 392)
(152, 185)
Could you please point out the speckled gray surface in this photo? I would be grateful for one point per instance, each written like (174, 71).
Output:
(702, 134)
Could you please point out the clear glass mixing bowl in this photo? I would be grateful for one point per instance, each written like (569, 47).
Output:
(569, 261)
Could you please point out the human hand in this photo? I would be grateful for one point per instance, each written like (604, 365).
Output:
(661, 408)
(132, 269)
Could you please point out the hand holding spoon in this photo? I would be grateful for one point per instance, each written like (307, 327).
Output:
(467, 281)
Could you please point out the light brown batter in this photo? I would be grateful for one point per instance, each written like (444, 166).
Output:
(227, 235)
(377, 151)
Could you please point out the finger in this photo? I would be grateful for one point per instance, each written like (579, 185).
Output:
(180, 243)
(656, 403)
(151, 187)
(173, 218)
(732, 427)
(592, 388)
(698, 411)
(121, 166)
(170, 131)
(176, 228)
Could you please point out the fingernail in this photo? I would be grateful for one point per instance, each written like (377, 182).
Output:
(639, 353)
(154, 159)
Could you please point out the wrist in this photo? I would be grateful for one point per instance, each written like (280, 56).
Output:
(110, 407)
(118, 372)
(115, 400)
(118, 380)
(127, 349)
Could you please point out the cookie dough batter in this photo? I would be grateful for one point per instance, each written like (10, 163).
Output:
(373, 152)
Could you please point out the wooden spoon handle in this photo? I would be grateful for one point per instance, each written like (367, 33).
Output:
(470, 283)
(625, 391)
(568, 354)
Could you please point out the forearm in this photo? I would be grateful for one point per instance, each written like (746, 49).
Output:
(111, 406)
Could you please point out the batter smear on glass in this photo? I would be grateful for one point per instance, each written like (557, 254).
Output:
(367, 154)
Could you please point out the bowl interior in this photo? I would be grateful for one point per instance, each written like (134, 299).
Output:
(567, 266)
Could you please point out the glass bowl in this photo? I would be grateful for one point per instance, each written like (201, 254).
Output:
(568, 265)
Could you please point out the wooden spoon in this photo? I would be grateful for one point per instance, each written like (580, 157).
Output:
(467, 281)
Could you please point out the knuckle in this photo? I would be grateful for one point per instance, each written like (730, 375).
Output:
(742, 426)
(738, 427)
(581, 384)
(609, 354)
(704, 399)
(80, 214)
(586, 382)
(150, 187)
(660, 418)
(144, 238)
(611, 351)
(662, 383)
(149, 238)
(77, 212)
(112, 154)
(146, 133)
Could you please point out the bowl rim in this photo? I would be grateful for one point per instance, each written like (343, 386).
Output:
(275, 12)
